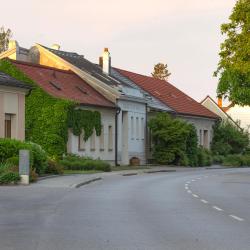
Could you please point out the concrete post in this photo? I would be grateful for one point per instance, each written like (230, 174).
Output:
(24, 166)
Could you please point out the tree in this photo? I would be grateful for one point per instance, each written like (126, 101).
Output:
(175, 141)
(5, 36)
(228, 139)
(234, 65)
(161, 71)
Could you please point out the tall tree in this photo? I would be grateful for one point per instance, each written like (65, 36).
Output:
(5, 36)
(234, 66)
(161, 71)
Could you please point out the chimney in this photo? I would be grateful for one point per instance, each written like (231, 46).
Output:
(220, 102)
(55, 46)
(105, 61)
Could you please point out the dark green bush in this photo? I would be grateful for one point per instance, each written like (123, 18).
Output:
(175, 141)
(9, 177)
(218, 159)
(233, 160)
(229, 139)
(54, 168)
(204, 157)
(9, 148)
(73, 162)
(14, 160)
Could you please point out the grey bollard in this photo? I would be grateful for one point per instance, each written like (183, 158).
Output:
(24, 166)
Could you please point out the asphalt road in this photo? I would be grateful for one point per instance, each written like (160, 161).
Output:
(206, 209)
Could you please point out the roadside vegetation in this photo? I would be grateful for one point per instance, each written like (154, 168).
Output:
(41, 164)
(176, 143)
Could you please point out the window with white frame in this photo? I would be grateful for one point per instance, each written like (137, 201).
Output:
(110, 137)
(81, 142)
(142, 128)
(101, 137)
(132, 128)
(137, 128)
(92, 141)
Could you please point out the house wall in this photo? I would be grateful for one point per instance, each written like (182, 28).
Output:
(241, 115)
(204, 129)
(12, 102)
(131, 131)
(94, 147)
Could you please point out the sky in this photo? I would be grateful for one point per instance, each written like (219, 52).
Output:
(185, 34)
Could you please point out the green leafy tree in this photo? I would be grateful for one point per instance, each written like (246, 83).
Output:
(5, 36)
(229, 139)
(161, 71)
(175, 141)
(234, 66)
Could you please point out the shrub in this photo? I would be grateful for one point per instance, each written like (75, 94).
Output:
(9, 177)
(14, 161)
(218, 159)
(175, 140)
(54, 168)
(233, 160)
(73, 162)
(204, 157)
(9, 149)
(229, 139)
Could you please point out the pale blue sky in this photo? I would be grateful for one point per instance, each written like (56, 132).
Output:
(185, 34)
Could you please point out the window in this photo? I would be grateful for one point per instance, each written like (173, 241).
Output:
(81, 143)
(132, 128)
(7, 127)
(137, 129)
(142, 129)
(110, 138)
(200, 138)
(92, 141)
(102, 139)
(205, 139)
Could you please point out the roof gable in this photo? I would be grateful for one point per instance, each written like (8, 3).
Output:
(170, 95)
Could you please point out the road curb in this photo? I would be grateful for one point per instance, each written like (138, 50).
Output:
(129, 174)
(86, 182)
(160, 171)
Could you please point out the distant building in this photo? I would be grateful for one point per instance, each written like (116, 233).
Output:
(235, 114)
(12, 107)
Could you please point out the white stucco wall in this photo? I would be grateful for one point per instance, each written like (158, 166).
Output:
(108, 119)
(201, 124)
(131, 140)
(12, 101)
(241, 115)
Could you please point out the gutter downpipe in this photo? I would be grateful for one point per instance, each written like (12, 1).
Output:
(146, 135)
(118, 110)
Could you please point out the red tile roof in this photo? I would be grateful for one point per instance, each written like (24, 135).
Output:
(63, 84)
(170, 95)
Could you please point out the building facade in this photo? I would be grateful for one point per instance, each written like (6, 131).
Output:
(12, 107)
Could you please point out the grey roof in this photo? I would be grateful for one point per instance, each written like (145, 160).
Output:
(7, 80)
(84, 64)
(151, 100)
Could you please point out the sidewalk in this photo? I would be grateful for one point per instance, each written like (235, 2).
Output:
(77, 180)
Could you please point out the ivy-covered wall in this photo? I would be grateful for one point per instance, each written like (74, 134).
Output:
(47, 119)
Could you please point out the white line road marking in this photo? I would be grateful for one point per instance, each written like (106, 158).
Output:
(204, 201)
(189, 191)
(193, 180)
(217, 208)
(195, 195)
(186, 188)
(188, 182)
(198, 178)
(236, 217)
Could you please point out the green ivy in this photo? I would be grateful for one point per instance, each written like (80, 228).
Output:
(47, 119)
